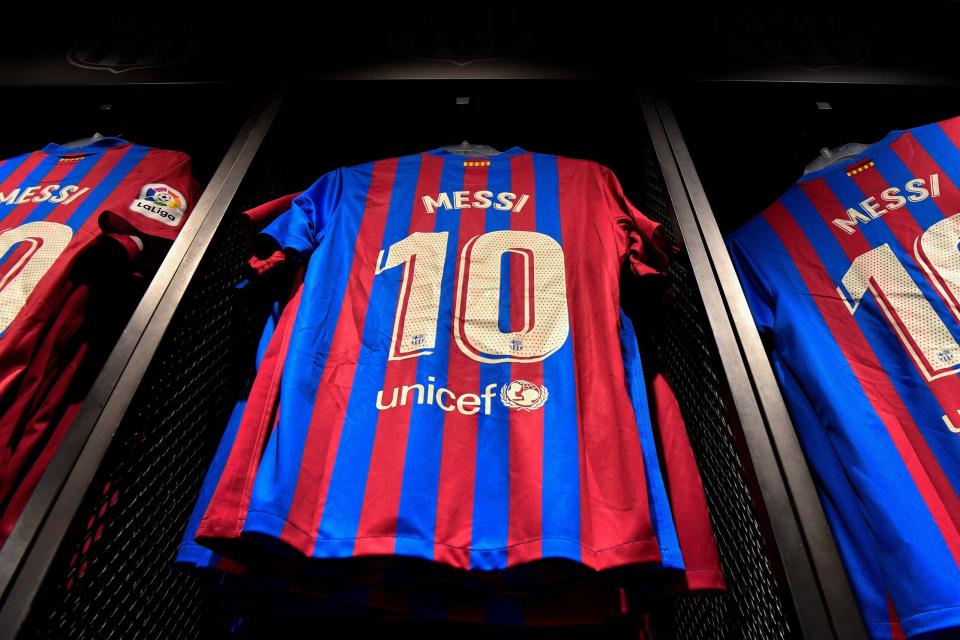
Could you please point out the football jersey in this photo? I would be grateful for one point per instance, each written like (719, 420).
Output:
(541, 596)
(458, 383)
(854, 275)
(80, 229)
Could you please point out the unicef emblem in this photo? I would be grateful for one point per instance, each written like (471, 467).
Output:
(523, 395)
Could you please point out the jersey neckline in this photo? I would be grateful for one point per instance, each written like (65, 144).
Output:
(854, 159)
(98, 146)
(509, 153)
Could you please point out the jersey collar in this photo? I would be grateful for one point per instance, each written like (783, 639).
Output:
(509, 153)
(99, 146)
(854, 159)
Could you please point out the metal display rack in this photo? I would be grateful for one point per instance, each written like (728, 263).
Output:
(91, 558)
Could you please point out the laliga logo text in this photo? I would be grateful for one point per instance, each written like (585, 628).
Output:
(160, 202)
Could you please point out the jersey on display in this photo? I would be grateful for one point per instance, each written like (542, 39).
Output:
(854, 274)
(80, 227)
(454, 380)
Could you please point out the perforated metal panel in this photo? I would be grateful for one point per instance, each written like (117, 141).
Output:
(752, 607)
(114, 577)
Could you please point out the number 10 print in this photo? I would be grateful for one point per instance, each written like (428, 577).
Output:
(545, 323)
(922, 332)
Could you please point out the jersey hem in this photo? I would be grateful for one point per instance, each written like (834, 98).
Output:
(194, 555)
(935, 620)
(644, 551)
(703, 580)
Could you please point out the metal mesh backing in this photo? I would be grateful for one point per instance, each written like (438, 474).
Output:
(752, 607)
(114, 577)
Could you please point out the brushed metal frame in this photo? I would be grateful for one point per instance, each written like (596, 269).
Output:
(804, 545)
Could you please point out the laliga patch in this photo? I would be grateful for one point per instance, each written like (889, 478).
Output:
(161, 203)
(523, 395)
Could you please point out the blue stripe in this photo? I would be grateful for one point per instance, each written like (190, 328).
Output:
(503, 318)
(491, 499)
(927, 212)
(895, 174)
(561, 445)
(878, 233)
(861, 555)
(7, 169)
(79, 170)
(348, 483)
(660, 515)
(33, 179)
(416, 526)
(324, 285)
(892, 354)
(95, 197)
(190, 552)
(891, 501)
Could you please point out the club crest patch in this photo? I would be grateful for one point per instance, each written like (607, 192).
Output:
(161, 203)
(523, 395)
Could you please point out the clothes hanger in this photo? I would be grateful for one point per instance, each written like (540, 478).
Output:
(474, 150)
(829, 157)
(82, 142)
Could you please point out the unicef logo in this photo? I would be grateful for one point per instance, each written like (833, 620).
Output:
(523, 395)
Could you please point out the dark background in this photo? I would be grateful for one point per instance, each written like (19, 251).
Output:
(745, 85)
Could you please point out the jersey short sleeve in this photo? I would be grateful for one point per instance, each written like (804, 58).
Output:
(154, 200)
(756, 289)
(849, 277)
(301, 228)
(646, 245)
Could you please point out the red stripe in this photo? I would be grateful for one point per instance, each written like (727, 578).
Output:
(951, 127)
(920, 164)
(21, 211)
(15, 179)
(17, 259)
(381, 500)
(701, 559)
(336, 381)
(458, 461)
(227, 510)
(615, 513)
(896, 630)
(905, 228)
(409, 272)
(526, 427)
(874, 382)
(107, 162)
(830, 209)
(901, 223)
(26, 327)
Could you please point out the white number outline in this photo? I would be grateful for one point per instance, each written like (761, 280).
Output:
(47, 241)
(937, 252)
(405, 252)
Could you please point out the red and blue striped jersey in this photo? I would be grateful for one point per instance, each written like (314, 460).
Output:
(854, 274)
(458, 382)
(79, 228)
